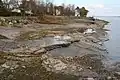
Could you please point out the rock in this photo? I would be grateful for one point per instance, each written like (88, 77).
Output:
(11, 65)
(54, 64)
(80, 69)
(16, 10)
(31, 50)
(10, 77)
(89, 31)
(89, 74)
(1, 70)
(59, 65)
(10, 23)
(40, 51)
(66, 38)
(86, 79)
(5, 66)
(0, 23)
(90, 67)
(44, 56)
(57, 37)
(14, 21)
(109, 78)
(90, 79)
(100, 43)
(23, 66)
(2, 19)
(3, 37)
(117, 73)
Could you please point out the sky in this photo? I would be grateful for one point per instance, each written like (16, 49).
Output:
(96, 7)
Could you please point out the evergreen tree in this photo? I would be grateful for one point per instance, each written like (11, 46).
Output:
(83, 12)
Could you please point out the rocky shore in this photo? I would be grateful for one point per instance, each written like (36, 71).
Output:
(71, 51)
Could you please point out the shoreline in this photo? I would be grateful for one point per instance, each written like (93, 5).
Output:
(81, 59)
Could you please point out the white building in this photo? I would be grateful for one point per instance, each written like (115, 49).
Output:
(77, 11)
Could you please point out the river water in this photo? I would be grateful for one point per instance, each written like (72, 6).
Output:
(113, 45)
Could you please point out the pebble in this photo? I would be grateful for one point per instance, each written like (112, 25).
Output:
(80, 69)
(90, 67)
(23, 66)
(109, 77)
(10, 23)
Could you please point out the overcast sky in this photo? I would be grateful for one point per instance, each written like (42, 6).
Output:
(96, 7)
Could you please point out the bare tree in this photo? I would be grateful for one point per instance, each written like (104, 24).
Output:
(42, 7)
(1, 4)
(47, 5)
(73, 10)
(63, 11)
(51, 9)
(6, 3)
(14, 4)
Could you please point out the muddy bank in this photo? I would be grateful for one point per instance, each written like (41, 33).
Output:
(56, 52)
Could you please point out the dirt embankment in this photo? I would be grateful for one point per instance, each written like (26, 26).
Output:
(36, 51)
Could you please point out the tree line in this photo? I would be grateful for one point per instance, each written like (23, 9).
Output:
(37, 7)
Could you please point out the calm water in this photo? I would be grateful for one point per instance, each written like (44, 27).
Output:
(113, 45)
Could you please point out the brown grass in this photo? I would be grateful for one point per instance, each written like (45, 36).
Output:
(53, 20)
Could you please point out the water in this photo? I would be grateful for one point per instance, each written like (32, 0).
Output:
(113, 45)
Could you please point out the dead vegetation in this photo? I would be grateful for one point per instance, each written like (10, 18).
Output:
(53, 20)
(32, 35)
(45, 19)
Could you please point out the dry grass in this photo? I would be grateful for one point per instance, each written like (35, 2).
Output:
(53, 20)
(32, 35)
